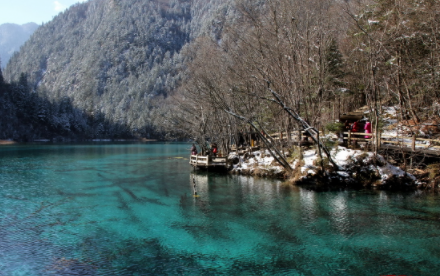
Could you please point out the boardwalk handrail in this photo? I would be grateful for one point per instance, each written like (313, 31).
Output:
(199, 160)
(283, 134)
(406, 141)
(349, 137)
(208, 161)
(412, 142)
(403, 141)
(243, 150)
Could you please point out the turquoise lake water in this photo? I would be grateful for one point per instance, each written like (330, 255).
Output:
(128, 209)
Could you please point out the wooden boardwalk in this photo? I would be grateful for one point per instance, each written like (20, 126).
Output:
(206, 162)
(429, 147)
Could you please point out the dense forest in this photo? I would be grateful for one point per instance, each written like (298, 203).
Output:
(26, 116)
(211, 69)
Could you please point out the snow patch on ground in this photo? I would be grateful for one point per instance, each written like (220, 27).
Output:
(391, 110)
(345, 158)
(258, 160)
(309, 158)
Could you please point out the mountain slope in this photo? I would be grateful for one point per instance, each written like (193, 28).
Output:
(12, 36)
(113, 58)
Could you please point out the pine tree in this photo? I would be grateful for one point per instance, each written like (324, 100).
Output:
(335, 64)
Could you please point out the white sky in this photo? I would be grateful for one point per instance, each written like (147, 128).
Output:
(37, 11)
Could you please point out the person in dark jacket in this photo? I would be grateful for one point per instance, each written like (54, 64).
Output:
(347, 125)
(193, 150)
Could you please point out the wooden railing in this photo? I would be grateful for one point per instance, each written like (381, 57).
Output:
(410, 142)
(284, 135)
(243, 150)
(354, 136)
(208, 161)
(198, 160)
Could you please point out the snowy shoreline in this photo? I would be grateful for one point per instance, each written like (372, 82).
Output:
(356, 168)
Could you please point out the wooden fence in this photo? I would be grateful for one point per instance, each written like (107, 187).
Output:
(410, 143)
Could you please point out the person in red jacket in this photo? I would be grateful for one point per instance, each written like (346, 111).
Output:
(214, 150)
(355, 126)
(367, 128)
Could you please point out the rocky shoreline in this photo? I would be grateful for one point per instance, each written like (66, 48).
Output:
(356, 169)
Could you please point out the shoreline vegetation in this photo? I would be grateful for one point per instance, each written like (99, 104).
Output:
(357, 169)
(356, 164)
(395, 159)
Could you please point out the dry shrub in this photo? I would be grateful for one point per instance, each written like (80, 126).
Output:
(296, 173)
(295, 154)
(361, 157)
(260, 172)
(434, 171)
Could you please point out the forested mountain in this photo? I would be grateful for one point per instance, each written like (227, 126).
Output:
(113, 60)
(12, 36)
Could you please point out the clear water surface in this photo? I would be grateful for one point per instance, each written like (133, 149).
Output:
(128, 209)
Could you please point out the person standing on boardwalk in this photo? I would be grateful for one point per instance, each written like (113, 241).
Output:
(367, 129)
(214, 149)
(193, 150)
(347, 125)
(355, 126)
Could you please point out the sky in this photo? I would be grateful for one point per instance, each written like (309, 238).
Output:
(37, 11)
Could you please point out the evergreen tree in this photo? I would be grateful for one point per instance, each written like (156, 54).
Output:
(23, 82)
(335, 64)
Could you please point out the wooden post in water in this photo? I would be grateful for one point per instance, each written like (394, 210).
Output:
(194, 187)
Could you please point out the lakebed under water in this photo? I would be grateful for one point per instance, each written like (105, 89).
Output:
(128, 209)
